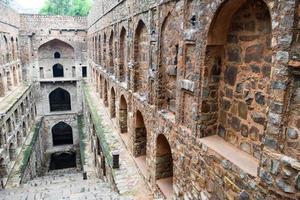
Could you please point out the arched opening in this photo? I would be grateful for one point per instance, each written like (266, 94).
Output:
(19, 139)
(111, 53)
(3, 169)
(104, 51)
(56, 55)
(168, 64)
(141, 48)
(12, 152)
(123, 54)
(13, 48)
(237, 74)
(99, 50)
(24, 129)
(58, 70)
(123, 112)
(2, 89)
(112, 103)
(6, 50)
(140, 137)
(63, 160)
(15, 76)
(164, 166)
(101, 86)
(60, 100)
(9, 81)
(105, 93)
(62, 134)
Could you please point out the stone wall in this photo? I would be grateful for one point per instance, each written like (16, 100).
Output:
(36, 160)
(204, 73)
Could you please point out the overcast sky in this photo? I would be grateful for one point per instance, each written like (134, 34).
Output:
(30, 4)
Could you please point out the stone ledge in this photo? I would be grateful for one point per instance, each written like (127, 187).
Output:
(187, 85)
(244, 161)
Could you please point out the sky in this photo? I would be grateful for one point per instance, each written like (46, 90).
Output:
(30, 4)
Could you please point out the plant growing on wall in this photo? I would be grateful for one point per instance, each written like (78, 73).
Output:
(66, 7)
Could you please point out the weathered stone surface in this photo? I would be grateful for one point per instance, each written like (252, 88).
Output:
(258, 118)
(230, 75)
(292, 133)
(244, 130)
(260, 98)
(284, 186)
(243, 110)
(254, 53)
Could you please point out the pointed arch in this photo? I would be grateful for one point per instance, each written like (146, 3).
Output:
(169, 52)
(60, 100)
(230, 46)
(123, 115)
(62, 134)
(123, 55)
(58, 70)
(141, 58)
(111, 52)
(112, 103)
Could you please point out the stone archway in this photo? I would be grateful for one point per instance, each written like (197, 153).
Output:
(123, 54)
(2, 86)
(164, 166)
(58, 70)
(60, 100)
(12, 152)
(237, 74)
(105, 100)
(19, 139)
(3, 168)
(62, 134)
(112, 103)
(140, 136)
(123, 115)
(141, 48)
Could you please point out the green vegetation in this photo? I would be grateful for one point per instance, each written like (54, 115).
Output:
(66, 7)
(100, 131)
(81, 137)
(6, 2)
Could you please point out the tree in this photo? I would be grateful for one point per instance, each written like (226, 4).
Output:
(66, 7)
(6, 2)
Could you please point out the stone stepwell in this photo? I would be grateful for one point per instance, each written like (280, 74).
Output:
(62, 186)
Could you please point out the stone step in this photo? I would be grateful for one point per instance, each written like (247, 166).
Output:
(66, 186)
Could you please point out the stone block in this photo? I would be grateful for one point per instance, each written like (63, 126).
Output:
(187, 85)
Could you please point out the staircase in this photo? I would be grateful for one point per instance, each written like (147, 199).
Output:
(61, 185)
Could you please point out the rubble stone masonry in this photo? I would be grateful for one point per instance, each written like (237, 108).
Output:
(212, 83)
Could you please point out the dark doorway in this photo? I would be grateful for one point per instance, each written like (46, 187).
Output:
(58, 70)
(56, 55)
(84, 71)
(60, 100)
(63, 160)
(62, 134)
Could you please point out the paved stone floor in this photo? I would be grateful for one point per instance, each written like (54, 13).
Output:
(62, 186)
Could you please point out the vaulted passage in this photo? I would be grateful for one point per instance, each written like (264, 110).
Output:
(164, 165)
(123, 115)
(141, 48)
(62, 134)
(238, 60)
(123, 60)
(169, 60)
(3, 170)
(60, 100)
(58, 70)
(63, 160)
(140, 138)
(112, 103)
